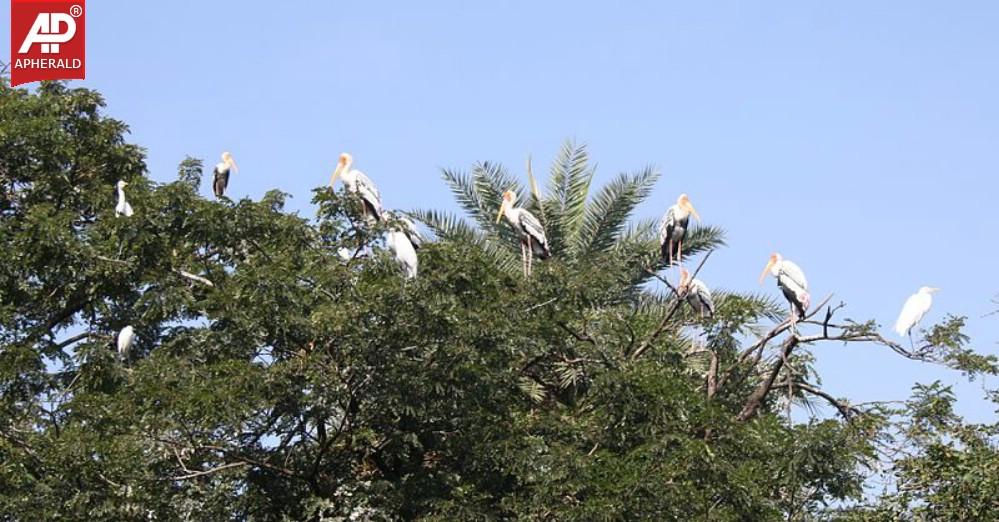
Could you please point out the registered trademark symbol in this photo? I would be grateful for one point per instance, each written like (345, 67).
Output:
(75, 11)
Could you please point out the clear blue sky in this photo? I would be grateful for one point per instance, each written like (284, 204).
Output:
(860, 140)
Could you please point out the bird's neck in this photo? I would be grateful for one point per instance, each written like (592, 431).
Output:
(680, 212)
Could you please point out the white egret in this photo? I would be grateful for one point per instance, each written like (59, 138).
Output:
(532, 234)
(673, 229)
(122, 208)
(360, 184)
(126, 338)
(697, 294)
(914, 310)
(222, 169)
(405, 254)
(791, 281)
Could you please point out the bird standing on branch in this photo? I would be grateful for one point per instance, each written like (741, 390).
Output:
(222, 170)
(697, 294)
(532, 234)
(122, 208)
(791, 281)
(673, 229)
(914, 310)
(359, 184)
(126, 338)
(404, 243)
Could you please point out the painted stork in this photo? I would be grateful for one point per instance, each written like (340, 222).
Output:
(914, 310)
(360, 184)
(122, 208)
(791, 281)
(697, 294)
(532, 234)
(222, 169)
(126, 338)
(673, 229)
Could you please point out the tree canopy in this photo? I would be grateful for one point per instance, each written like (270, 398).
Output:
(274, 379)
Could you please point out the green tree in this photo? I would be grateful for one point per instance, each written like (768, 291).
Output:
(274, 380)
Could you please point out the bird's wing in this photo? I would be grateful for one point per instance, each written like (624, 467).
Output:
(411, 232)
(913, 311)
(365, 185)
(532, 227)
(794, 273)
(666, 225)
(703, 293)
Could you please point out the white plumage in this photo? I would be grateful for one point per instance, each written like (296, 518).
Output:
(405, 254)
(914, 310)
(673, 228)
(792, 283)
(122, 208)
(360, 184)
(697, 293)
(532, 234)
(126, 338)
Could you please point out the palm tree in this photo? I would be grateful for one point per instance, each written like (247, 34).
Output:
(579, 226)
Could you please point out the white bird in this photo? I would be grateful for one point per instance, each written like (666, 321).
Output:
(697, 294)
(222, 169)
(673, 228)
(914, 310)
(122, 208)
(791, 280)
(405, 254)
(532, 234)
(126, 338)
(358, 183)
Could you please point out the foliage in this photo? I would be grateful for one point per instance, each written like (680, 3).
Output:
(273, 379)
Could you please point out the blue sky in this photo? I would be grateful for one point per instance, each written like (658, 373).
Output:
(859, 140)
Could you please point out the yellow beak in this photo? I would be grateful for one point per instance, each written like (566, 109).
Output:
(499, 215)
(336, 173)
(766, 269)
(232, 163)
(692, 210)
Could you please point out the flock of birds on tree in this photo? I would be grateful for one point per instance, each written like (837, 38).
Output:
(673, 228)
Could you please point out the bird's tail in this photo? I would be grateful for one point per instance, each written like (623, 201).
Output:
(542, 251)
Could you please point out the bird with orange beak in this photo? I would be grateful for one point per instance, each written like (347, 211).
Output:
(791, 281)
(697, 294)
(360, 184)
(673, 229)
(532, 233)
(222, 171)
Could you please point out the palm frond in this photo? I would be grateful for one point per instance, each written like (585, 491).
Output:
(607, 213)
(569, 187)
(449, 227)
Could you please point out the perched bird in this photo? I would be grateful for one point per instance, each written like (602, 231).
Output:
(914, 310)
(126, 338)
(359, 184)
(410, 230)
(673, 229)
(405, 254)
(122, 208)
(697, 294)
(791, 280)
(532, 234)
(222, 170)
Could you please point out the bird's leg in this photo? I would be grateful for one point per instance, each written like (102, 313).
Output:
(679, 252)
(669, 253)
(530, 256)
(912, 345)
(523, 258)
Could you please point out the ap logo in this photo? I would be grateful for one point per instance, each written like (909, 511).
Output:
(47, 40)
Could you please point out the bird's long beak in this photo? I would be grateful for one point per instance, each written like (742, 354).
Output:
(934, 290)
(766, 269)
(499, 215)
(124, 183)
(692, 210)
(336, 173)
(232, 163)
